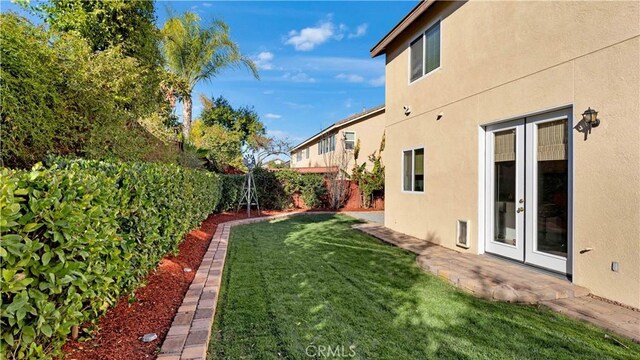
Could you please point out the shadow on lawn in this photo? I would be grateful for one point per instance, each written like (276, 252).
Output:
(325, 284)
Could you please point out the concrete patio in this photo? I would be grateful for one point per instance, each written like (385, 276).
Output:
(491, 278)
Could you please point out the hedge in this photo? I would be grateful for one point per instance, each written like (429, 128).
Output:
(78, 235)
(275, 189)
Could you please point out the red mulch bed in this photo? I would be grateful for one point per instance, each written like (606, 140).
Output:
(120, 330)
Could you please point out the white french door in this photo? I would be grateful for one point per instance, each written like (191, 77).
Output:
(528, 190)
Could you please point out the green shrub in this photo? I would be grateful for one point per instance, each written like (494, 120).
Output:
(313, 190)
(80, 234)
(275, 189)
(271, 194)
(61, 98)
(231, 190)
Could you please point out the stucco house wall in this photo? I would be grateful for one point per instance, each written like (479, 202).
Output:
(504, 60)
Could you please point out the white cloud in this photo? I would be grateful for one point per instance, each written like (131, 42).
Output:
(297, 106)
(299, 77)
(353, 78)
(348, 103)
(308, 38)
(263, 60)
(360, 31)
(377, 82)
(273, 116)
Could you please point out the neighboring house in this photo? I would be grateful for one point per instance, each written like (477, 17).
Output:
(487, 147)
(332, 148)
(277, 164)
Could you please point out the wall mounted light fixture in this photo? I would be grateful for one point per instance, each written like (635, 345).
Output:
(590, 117)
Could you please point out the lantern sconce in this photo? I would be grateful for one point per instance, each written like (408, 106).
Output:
(590, 117)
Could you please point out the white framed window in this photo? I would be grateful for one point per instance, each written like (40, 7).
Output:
(307, 152)
(299, 156)
(320, 147)
(332, 142)
(413, 170)
(349, 140)
(424, 53)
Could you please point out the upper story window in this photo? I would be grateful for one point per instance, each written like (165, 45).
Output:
(299, 156)
(349, 140)
(327, 144)
(424, 52)
(307, 152)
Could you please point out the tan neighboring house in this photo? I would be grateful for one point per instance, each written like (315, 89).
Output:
(491, 144)
(332, 148)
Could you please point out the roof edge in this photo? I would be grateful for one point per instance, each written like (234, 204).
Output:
(339, 124)
(418, 10)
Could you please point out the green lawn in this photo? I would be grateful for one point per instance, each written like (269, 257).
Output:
(310, 283)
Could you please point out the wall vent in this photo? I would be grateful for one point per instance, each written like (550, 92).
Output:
(462, 233)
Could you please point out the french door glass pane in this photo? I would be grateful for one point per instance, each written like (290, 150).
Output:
(406, 182)
(505, 187)
(552, 188)
(432, 60)
(418, 184)
(417, 52)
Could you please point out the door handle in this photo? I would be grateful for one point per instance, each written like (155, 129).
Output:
(520, 209)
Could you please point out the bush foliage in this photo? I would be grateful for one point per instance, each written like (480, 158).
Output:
(275, 189)
(79, 234)
(59, 97)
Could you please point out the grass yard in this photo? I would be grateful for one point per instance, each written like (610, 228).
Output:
(311, 287)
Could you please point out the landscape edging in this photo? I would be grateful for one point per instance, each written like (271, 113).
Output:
(190, 331)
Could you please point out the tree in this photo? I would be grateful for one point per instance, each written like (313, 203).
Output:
(263, 147)
(61, 98)
(219, 146)
(193, 53)
(244, 120)
(126, 24)
(105, 24)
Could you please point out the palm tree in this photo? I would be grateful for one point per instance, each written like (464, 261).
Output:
(193, 53)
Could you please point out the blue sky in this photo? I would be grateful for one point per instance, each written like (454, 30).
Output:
(313, 57)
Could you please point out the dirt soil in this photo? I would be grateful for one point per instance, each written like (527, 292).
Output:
(154, 306)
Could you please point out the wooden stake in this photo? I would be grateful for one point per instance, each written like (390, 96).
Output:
(74, 332)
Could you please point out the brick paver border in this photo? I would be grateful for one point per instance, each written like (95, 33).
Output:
(189, 334)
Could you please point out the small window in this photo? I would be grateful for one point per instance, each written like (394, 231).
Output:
(349, 140)
(320, 147)
(413, 170)
(326, 145)
(299, 156)
(307, 152)
(424, 54)
(332, 142)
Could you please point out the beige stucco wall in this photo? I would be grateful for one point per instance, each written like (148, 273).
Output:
(369, 131)
(502, 60)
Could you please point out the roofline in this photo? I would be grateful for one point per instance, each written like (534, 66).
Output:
(381, 47)
(339, 124)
